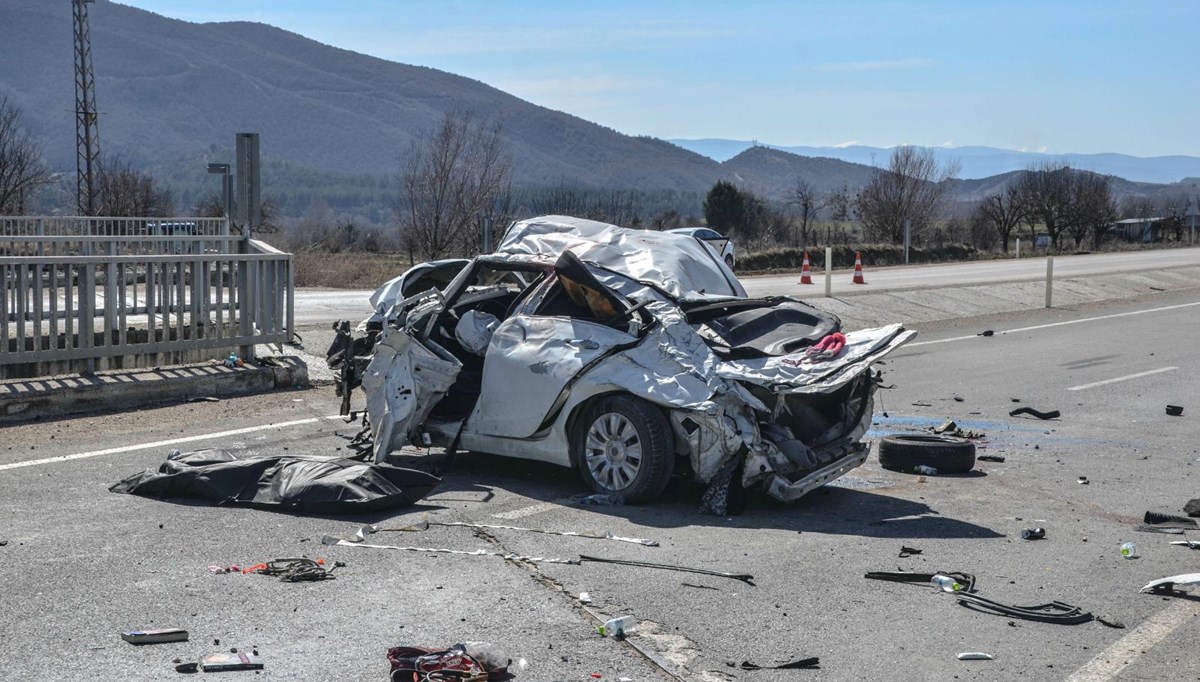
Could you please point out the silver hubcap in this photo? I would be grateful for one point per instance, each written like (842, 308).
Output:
(613, 451)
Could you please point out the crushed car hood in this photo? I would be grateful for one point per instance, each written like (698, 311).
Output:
(676, 264)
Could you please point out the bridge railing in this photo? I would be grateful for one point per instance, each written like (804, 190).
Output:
(76, 303)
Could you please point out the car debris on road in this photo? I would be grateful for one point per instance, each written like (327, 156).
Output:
(628, 348)
(1052, 414)
(299, 483)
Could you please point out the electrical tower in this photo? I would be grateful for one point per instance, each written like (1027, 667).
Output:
(87, 133)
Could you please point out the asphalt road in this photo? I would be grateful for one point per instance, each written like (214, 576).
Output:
(324, 306)
(85, 564)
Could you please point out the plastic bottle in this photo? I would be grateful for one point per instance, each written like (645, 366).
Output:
(945, 583)
(617, 627)
(1129, 550)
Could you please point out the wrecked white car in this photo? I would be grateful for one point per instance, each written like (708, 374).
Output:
(625, 354)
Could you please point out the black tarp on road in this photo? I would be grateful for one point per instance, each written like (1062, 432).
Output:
(308, 484)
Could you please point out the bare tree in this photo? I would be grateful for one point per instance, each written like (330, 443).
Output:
(617, 207)
(1137, 206)
(128, 192)
(1067, 201)
(1092, 209)
(808, 203)
(667, 220)
(912, 188)
(1004, 211)
(1173, 208)
(1046, 189)
(21, 168)
(452, 177)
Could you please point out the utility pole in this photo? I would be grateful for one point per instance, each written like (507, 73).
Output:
(87, 132)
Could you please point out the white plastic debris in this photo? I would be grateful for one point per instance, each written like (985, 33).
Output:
(1174, 581)
(585, 598)
(975, 656)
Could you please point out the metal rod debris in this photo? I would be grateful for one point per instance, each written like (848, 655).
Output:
(331, 540)
(425, 524)
(744, 577)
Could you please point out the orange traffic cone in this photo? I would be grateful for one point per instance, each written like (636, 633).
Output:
(858, 273)
(805, 271)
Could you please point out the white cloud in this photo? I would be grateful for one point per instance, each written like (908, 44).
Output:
(879, 65)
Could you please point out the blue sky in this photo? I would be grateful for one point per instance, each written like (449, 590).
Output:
(1056, 75)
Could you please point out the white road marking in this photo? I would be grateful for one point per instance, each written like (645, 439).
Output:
(1057, 324)
(1110, 662)
(1127, 377)
(526, 511)
(161, 443)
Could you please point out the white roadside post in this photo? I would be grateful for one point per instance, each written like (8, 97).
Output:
(1049, 278)
(1018, 248)
(828, 272)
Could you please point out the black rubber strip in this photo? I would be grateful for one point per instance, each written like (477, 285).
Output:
(1057, 612)
(1052, 414)
(801, 664)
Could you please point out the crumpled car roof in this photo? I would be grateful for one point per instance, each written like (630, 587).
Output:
(679, 265)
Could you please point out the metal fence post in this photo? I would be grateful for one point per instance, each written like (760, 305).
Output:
(245, 303)
(1049, 279)
(828, 272)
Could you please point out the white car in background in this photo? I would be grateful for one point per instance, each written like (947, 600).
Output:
(721, 244)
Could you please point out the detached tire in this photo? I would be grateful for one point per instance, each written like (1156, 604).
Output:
(947, 454)
(624, 445)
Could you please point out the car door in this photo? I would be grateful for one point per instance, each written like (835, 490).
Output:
(534, 354)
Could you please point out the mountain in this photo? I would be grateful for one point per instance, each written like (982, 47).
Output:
(977, 162)
(773, 173)
(172, 89)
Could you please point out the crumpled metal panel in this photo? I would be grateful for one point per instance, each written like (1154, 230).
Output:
(403, 382)
(680, 265)
(529, 361)
(789, 374)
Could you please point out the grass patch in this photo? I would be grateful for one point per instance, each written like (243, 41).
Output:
(347, 270)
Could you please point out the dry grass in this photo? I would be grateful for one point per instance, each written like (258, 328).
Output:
(347, 270)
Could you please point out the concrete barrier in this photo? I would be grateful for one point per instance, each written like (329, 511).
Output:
(23, 400)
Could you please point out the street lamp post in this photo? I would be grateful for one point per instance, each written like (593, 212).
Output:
(222, 169)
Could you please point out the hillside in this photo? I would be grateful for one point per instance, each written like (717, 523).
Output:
(173, 89)
(773, 173)
(976, 162)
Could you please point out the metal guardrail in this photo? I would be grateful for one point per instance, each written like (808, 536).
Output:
(83, 226)
(80, 299)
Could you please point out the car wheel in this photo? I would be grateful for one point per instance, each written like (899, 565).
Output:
(947, 454)
(624, 446)
(729, 261)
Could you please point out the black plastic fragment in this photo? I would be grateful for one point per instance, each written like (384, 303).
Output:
(1052, 414)
(800, 664)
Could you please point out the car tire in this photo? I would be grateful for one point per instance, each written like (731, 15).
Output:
(947, 454)
(608, 436)
(729, 261)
